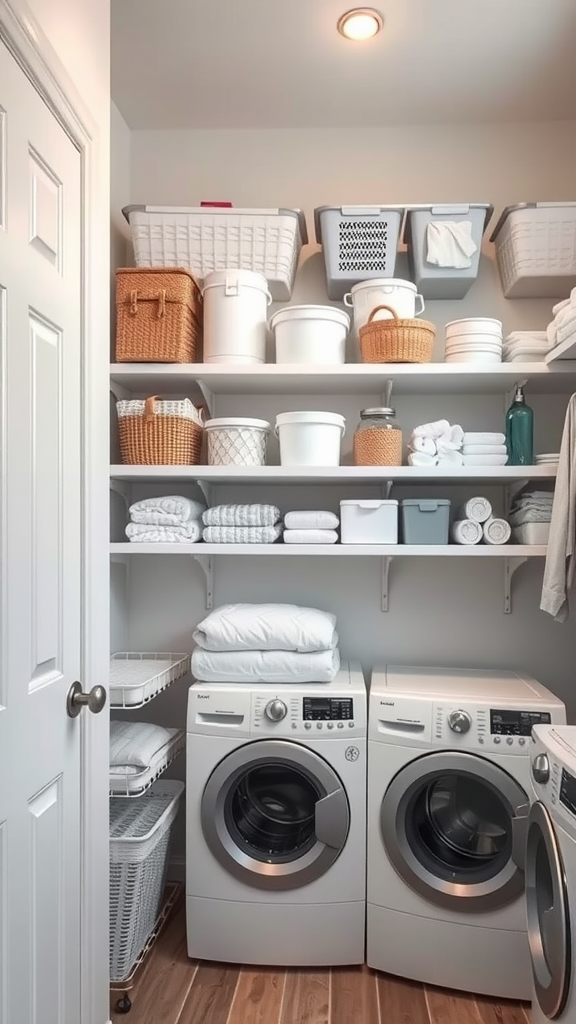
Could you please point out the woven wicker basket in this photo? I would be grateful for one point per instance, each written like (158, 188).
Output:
(159, 433)
(158, 316)
(396, 341)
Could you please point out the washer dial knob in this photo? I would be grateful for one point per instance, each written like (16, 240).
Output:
(276, 710)
(541, 769)
(459, 721)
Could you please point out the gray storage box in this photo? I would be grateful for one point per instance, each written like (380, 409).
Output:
(425, 520)
(443, 282)
(359, 243)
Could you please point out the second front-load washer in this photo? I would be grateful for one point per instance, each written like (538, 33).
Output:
(448, 799)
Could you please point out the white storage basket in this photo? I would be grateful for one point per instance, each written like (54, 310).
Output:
(138, 676)
(203, 240)
(536, 250)
(236, 441)
(359, 243)
(443, 282)
(139, 843)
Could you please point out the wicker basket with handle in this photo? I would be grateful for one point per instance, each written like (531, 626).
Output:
(158, 315)
(396, 341)
(153, 432)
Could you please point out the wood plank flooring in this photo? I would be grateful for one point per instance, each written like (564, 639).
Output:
(172, 989)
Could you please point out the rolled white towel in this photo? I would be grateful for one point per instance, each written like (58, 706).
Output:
(309, 536)
(420, 459)
(496, 531)
(483, 437)
(478, 508)
(466, 531)
(311, 521)
(450, 458)
(484, 449)
(433, 430)
(425, 445)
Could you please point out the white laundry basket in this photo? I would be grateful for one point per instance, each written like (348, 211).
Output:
(237, 441)
(235, 314)
(310, 438)
(400, 295)
(139, 844)
(536, 250)
(310, 334)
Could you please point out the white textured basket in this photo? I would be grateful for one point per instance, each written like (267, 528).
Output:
(139, 842)
(183, 408)
(237, 442)
(536, 250)
(137, 677)
(203, 240)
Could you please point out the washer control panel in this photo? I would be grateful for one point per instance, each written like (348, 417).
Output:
(327, 709)
(469, 727)
(287, 715)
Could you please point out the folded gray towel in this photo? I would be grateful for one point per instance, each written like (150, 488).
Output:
(242, 534)
(242, 515)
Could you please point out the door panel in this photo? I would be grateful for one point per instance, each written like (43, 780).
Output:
(547, 905)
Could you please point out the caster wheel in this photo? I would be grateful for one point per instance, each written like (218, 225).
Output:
(124, 1005)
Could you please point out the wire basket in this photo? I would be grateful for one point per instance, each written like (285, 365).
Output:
(137, 677)
(152, 432)
(139, 845)
(237, 442)
(396, 341)
(158, 316)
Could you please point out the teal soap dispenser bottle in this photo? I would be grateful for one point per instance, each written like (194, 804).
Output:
(520, 431)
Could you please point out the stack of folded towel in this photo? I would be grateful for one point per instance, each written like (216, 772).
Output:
(526, 346)
(436, 444)
(267, 643)
(475, 523)
(481, 448)
(242, 524)
(563, 326)
(532, 506)
(310, 528)
(169, 520)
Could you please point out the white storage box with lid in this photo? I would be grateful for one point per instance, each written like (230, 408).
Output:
(235, 315)
(310, 438)
(237, 441)
(435, 282)
(359, 243)
(400, 295)
(425, 520)
(536, 250)
(310, 334)
(371, 521)
(139, 845)
(204, 239)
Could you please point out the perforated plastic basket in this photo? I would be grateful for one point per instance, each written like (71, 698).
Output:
(536, 250)
(359, 243)
(139, 845)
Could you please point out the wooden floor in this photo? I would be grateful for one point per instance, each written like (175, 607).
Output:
(175, 990)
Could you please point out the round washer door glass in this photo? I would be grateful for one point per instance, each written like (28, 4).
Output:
(452, 824)
(275, 814)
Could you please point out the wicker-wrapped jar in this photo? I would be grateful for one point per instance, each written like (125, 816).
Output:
(378, 438)
(396, 341)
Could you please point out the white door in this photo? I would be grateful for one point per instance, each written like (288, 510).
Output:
(40, 537)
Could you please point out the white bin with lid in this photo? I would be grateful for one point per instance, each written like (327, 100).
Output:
(310, 334)
(401, 295)
(310, 438)
(370, 521)
(235, 317)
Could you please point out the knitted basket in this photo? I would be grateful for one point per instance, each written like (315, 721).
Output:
(158, 316)
(396, 341)
(157, 433)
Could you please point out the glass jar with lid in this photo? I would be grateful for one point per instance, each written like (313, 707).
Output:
(378, 438)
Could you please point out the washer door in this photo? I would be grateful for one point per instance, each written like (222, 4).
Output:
(275, 814)
(454, 825)
(548, 914)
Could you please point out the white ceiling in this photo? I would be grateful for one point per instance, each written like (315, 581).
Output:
(282, 64)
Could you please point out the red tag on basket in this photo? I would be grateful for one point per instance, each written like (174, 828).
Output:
(215, 204)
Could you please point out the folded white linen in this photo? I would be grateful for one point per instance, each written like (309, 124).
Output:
(484, 449)
(311, 521)
(477, 508)
(309, 536)
(141, 533)
(241, 515)
(242, 534)
(530, 515)
(525, 346)
(436, 429)
(466, 531)
(483, 437)
(421, 459)
(450, 458)
(172, 510)
(267, 627)
(485, 460)
(136, 744)
(423, 445)
(496, 531)
(450, 243)
(564, 303)
(525, 336)
(567, 329)
(265, 666)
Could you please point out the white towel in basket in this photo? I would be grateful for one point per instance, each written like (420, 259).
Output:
(172, 510)
(310, 536)
(267, 627)
(242, 534)
(265, 666)
(141, 533)
(450, 243)
(242, 515)
(311, 521)
(135, 745)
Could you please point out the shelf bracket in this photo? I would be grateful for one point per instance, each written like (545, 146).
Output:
(208, 397)
(510, 567)
(386, 562)
(387, 396)
(122, 488)
(206, 563)
(206, 489)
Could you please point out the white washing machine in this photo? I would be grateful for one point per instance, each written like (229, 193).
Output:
(551, 874)
(276, 822)
(448, 800)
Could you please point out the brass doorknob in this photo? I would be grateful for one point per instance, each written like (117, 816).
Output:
(95, 701)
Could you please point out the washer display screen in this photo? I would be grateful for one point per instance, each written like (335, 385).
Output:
(327, 709)
(516, 723)
(568, 791)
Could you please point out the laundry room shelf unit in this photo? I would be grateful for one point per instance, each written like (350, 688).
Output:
(331, 474)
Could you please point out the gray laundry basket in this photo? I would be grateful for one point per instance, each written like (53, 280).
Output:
(359, 243)
(443, 282)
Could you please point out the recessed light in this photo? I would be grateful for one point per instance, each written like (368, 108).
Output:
(360, 23)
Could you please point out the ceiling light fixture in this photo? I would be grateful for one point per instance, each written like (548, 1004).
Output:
(360, 23)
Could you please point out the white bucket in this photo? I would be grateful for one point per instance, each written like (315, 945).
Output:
(384, 291)
(310, 334)
(235, 314)
(236, 441)
(474, 325)
(310, 438)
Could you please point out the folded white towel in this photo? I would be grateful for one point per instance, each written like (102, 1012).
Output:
(450, 243)
(485, 460)
(267, 627)
(525, 336)
(567, 329)
(496, 531)
(484, 449)
(477, 508)
(309, 536)
(466, 531)
(422, 445)
(311, 521)
(141, 533)
(241, 515)
(173, 510)
(450, 458)
(242, 534)
(564, 304)
(434, 430)
(530, 515)
(136, 744)
(265, 666)
(420, 459)
(483, 437)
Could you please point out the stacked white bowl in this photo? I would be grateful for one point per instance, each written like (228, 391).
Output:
(474, 340)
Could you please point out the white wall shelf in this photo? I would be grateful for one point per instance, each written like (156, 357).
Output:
(497, 475)
(562, 353)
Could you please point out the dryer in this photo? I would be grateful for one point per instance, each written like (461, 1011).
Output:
(551, 874)
(448, 801)
(276, 822)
